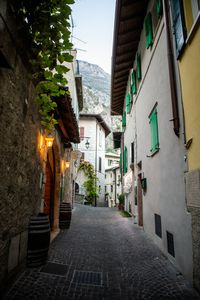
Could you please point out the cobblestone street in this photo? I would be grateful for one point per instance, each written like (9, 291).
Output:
(102, 256)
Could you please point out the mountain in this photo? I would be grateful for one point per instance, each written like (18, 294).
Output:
(96, 95)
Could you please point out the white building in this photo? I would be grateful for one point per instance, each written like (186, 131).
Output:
(93, 131)
(145, 90)
(112, 178)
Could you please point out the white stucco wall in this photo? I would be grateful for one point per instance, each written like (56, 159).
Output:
(164, 171)
(96, 149)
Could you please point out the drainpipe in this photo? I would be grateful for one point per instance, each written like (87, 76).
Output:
(170, 56)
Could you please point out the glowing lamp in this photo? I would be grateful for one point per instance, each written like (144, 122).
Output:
(49, 141)
(67, 164)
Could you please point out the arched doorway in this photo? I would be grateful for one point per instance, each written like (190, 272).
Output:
(50, 186)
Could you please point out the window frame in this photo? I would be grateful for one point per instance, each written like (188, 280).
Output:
(153, 121)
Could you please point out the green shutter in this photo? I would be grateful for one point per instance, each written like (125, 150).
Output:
(125, 160)
(159, 8)
(124, 119)
(154, 131)
(149, 30)
(134, 83)
(178, 24)
(139, 70)
(128, 103)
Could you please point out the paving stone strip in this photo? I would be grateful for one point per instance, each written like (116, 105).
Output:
(102, 256)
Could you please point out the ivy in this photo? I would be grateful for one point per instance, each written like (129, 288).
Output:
(45, 24)
(90, 182)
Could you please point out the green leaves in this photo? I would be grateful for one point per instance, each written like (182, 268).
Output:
(90, 182)
(48, 25)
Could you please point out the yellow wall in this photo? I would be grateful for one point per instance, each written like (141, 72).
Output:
(190, 82)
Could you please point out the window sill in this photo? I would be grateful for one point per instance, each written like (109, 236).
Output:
(153, 153)
(193, 29)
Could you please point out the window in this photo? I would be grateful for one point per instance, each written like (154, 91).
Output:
(111, 188)
(81, 133)
(157, 11)
(132, 152)
(82, 156)
(191, 11)
(118, 177)
(124, 120)
(109, 162)
(134, 83)
(159, 8)
(149, 30)
(128, 104)
(195, 8)
(138, 68)
(100, 139)
(153, 121)
(170, 243)
(110, 175)
(178, 25)
(99, 164)
(125, 160)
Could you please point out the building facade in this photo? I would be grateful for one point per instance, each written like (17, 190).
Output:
(32, 169)
(146, 92)
(112, 179)
(188, 57)
(93, 131)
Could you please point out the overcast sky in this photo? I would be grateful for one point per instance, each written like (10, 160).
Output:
(93, 25)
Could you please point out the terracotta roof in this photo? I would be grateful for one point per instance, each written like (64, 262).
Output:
(67, 121)
(99, 119)
(129, 18)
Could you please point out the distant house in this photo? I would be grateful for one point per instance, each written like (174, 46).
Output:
(93, 131)
(112, 178)
(146, 92)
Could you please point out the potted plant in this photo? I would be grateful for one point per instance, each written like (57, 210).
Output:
(121, 202)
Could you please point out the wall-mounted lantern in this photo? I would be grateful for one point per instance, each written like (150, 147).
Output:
(49, 141)
(87, 144)
(67, 164)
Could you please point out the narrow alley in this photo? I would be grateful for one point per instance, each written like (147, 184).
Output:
(102, 256)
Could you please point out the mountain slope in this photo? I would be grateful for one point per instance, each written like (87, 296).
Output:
(96, 95)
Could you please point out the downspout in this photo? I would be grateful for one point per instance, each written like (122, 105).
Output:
(171, 66)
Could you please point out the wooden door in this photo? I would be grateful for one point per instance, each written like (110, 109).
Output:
(49, 193)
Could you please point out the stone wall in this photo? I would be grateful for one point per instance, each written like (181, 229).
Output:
(193, 202)
(20, 168)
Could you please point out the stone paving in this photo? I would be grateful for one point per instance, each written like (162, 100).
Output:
(102, 256)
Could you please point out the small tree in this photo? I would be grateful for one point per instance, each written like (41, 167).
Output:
(90, 182)
(121, 201)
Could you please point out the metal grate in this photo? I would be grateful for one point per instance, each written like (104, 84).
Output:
(90, 278)
(170, 243)
(56, 269)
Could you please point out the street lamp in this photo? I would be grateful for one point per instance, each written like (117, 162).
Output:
(87, 144)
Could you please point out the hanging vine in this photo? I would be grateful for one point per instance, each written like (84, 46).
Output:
(46, 25)
(90, 182)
